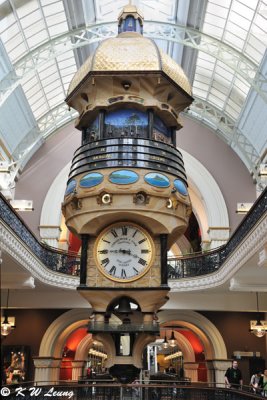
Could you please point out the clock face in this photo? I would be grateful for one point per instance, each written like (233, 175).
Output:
(124, 252)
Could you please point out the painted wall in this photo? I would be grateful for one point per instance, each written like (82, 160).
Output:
(30, 329)
(222, 162)
(234, 328)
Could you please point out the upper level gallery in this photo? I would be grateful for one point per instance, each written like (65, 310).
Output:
(226, 264)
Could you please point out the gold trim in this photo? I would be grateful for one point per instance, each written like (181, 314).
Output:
(220, 227)
(118, 224)
(50, 226)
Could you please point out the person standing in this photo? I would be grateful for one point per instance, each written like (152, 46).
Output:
(254, 381)
(263, 383)
(233, 376)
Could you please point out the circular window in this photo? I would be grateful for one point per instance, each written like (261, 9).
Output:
(91, 180)
(155, 179)
(180, 187)
(123, 177)
(70, 187)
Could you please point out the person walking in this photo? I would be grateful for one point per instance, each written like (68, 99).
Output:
(233, 376)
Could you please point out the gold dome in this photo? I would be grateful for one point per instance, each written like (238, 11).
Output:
(129, 52)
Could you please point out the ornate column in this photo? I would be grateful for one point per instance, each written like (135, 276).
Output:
(46, 369)
(50, 234)
(77, 369)
(190, 369)
(219, 235)
(216, 371)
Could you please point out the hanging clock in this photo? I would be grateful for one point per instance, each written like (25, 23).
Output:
(124, 252)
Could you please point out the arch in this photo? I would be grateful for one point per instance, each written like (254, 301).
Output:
(209, 335)
(207, 200)
(51, 216)
(83, 347)
(57, 333)
(55, 336)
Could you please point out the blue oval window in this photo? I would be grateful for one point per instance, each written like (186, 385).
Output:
(123, 177)
(71, 187)
(159, 180)
(91, 180)
(180, 187)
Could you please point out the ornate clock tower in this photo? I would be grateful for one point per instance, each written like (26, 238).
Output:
(127, 195)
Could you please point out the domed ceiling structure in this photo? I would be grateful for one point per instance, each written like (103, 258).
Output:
(221, 46)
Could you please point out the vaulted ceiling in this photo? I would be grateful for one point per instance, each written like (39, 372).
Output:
(221, 45)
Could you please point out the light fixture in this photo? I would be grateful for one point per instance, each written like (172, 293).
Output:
(126, 85)
(243, 208)
(259, 327)
(7, 325)
(22, 205)
(165, 344)
(263, 169)
(172, 340)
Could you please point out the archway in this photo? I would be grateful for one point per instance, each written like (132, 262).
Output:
(56, 336)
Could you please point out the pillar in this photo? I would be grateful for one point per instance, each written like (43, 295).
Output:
(77, 369)
(46, 369)
(216, 371)
(190, 371)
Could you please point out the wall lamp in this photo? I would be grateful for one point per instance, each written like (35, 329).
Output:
(258, 328)
(7, 323)
(243, 208)
(263, 169)
(22, 205)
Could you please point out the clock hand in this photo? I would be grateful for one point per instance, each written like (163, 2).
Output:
(121, 251)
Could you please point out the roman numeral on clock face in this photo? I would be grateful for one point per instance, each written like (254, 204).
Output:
(105, 262)
(123, 273)
(142, 261)
(114, 233)
(112, 270)
(142, 240)
(124, 230)
(136, 271)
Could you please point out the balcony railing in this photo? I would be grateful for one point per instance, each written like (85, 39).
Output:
(179, 267)
(206, 263)
(97, 326)
(54, 259)
(106, 391)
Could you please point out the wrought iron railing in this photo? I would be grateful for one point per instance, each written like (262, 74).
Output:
(206, 263)
(115, 391)
(97, 326)
(179, 267)
(54, 259)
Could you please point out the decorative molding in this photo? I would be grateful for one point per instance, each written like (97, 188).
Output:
(19, 252)
(263, 257)
(250, 245)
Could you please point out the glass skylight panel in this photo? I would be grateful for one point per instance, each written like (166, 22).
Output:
(234, 40)
(255, 54)
(52, 8)
(218, 103)
(242, 9)
(215, 20)
(239, 20)
(215, 9)
(26, 8)
(220, 88)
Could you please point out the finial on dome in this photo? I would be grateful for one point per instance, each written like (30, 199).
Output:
(130, 19)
